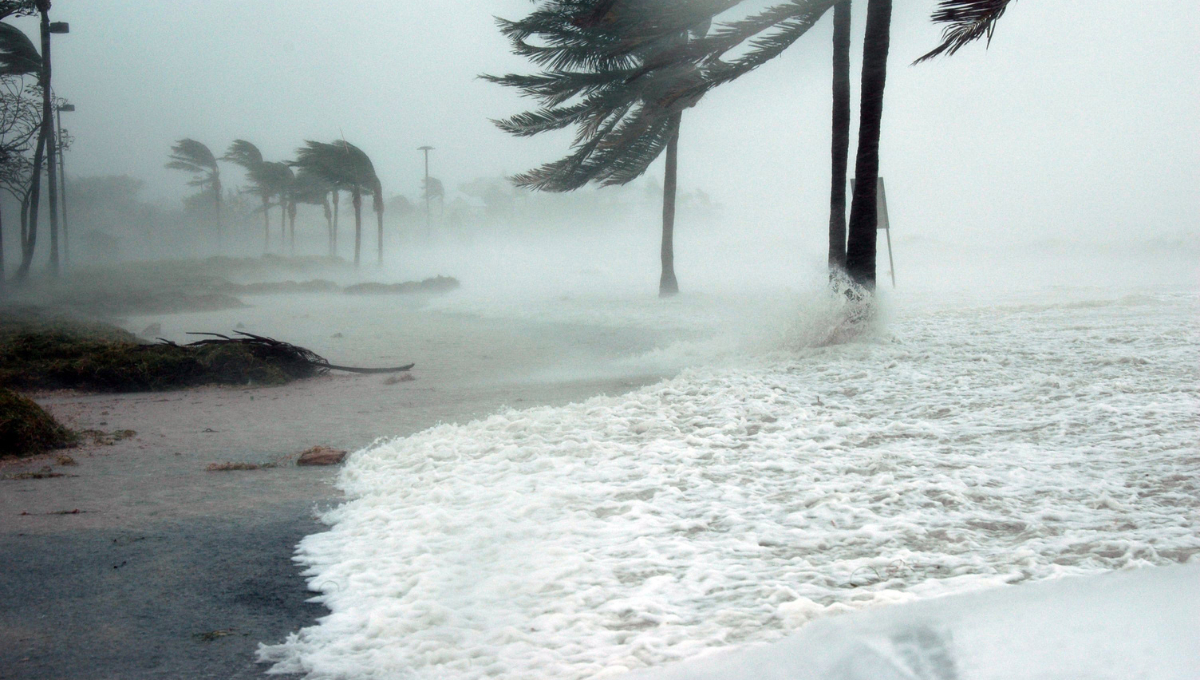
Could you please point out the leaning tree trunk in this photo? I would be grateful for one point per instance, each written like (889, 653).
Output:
(266, 201)
(337, 197)
(1, 254)
(357, 199)
(841, 138)
(667, 284)
(379, 227)
(860, 249)
(292, 227)
(29, 212)
(217, 211)
(328, 223)
(282, 224)
(377, 204)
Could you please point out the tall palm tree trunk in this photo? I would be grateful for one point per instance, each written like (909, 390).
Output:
(266, 201)
(328, 223)
(336, 199)
(217, 210)
(860, 248)
(379, 226)
(292, 227)
(282, 225)
(841, 138)
(1, 255)
(29, 211)
(357, 199)
(667, 284)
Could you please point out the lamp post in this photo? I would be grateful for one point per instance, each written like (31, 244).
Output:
(62, 174)
(49, 28)
(426, 149)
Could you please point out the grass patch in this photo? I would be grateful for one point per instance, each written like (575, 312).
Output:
(26, 429)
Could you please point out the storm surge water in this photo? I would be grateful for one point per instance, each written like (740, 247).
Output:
(957, 447)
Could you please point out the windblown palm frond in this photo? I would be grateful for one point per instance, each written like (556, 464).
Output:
(616, 71)
(18, 56)
(341, 164)
(270, 179)
(966, 21)
(192, 156)
(243, 153)
(310, 188)
(767, 34)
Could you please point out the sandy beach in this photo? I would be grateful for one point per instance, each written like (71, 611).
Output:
(167, 570)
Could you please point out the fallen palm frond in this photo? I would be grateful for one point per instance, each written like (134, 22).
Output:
(45, 353)
(283, 353)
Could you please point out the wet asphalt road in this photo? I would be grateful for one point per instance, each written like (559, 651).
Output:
(187, 599)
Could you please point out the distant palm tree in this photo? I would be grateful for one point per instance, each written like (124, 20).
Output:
(248, 156)
(192, 156)
(276, 179)
(346, 167)
(310, 189)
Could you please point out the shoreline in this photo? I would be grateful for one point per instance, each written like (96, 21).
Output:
(169, 570)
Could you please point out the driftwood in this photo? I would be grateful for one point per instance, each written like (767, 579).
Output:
(285, 351)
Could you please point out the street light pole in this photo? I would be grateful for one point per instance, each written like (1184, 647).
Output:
(428, 228)
(62, 173)
(48, 127)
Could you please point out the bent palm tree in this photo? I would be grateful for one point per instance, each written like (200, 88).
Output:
(622, 75)
(346, 167)
(310, 189)
(274, 179)
(192, 156)
(248, 156)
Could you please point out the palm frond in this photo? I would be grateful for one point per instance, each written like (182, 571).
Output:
(243, 153)
(966, 21)
(192, 156)
(18, 56)
(340, 164)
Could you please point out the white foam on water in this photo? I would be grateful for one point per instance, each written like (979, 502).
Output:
(961, 448)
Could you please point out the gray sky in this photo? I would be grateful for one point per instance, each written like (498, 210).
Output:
(1080, 119)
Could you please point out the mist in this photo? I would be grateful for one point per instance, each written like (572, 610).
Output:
(316, 414)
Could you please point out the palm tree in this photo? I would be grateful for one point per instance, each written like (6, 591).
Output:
(860, 244)
(622, 75)
(310, 189)
(346, 167)
(248, 156)
(192, 156)
(840, 137)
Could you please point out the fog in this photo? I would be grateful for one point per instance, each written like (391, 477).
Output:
(547, 470)
(1073, 126)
